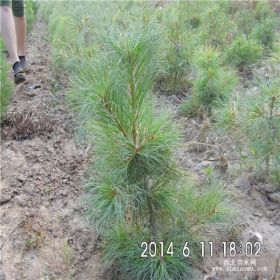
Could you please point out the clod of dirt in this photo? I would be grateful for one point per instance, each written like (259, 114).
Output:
(6, 193)
(5, 197)
(242, 182)
(266, 188)
(275, 197)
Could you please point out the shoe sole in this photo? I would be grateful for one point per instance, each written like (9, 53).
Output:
(20, 80)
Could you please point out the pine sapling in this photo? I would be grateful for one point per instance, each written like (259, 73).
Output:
(213, 85)
(263, 126)
(177, 47)
(137, 192)
(243, 52)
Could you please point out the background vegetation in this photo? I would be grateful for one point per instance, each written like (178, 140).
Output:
(6, 85)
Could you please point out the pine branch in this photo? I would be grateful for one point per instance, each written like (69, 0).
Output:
(107, 106)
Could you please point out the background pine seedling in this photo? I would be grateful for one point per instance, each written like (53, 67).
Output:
(31, 8)
(256, 118)
(245, 20)
(265, 24)
(76, 35)
(263, 127)
(264, 32)
(213, 84)
(243, 52)
(216, 28)
(258, 22)
(177, 46)
(228, 117)
(64, 42)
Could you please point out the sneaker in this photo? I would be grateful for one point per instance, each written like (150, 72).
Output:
(19, 75)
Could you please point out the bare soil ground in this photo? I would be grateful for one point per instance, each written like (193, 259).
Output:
(44, 230)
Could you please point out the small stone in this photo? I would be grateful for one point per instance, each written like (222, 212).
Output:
(21, 177)
(255, 236)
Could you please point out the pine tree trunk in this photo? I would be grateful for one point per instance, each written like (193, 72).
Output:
(152, 219)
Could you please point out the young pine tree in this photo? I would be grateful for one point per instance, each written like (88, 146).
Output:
(257, 119)
(243, 52)
(213, 85)
(137, 193)
(263, 127)
(177, 46)
(265, 24)
(216, 27)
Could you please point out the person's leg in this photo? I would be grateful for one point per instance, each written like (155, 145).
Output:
(20, 25)
(9, 36)
(8, 31)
